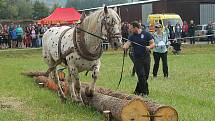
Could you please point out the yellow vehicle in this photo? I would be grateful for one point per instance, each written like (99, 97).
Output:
(163, 19)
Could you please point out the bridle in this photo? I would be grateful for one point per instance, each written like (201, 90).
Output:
(109, 26)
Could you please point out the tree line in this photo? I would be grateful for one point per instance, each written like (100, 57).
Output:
(24, 9)
(83, 4)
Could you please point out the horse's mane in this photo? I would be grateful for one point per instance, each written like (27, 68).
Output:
(93, 18)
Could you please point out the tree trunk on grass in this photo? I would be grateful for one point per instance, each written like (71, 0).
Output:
(157, 111)
(120, 109)
(160, 112)
(34, 74)
(121, 106)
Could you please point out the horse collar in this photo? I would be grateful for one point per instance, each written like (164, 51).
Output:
(81, 48)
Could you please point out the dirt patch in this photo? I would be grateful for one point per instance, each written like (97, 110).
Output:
(10, 103)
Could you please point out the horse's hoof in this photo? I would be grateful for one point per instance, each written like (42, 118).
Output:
(79, 101)
(62, 97)
(89, 92)
(63, 100)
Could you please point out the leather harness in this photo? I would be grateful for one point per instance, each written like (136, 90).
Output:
(79, 46)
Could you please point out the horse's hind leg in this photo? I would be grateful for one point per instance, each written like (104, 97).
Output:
(90, 90)
(50, 62)
(74, 84)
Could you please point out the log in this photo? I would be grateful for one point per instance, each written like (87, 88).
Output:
(34, 74)
(50, 84)
(160, 112)
(104, 98)
(120, 109)
(157, 111)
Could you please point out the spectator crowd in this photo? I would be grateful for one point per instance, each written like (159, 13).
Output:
(176, 33)
(15, 36)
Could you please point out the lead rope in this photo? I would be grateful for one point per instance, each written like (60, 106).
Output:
(123, 62)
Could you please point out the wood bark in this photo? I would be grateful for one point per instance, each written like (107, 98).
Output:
(34, 73)
(120, 109)
(158, 112)
(122, 106)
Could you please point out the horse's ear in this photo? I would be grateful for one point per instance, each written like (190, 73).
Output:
(105, 9)
(115, 9)
(83, 16)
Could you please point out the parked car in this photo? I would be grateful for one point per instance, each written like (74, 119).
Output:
(163, 19)
(201, 31)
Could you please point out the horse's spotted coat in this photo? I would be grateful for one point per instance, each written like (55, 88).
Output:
(74, 61)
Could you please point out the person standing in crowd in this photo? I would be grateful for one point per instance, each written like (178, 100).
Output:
(40, 35)
(209, 29)
(6, 36)
(33, 37)
(27, 37)
(141, 42)
(1, 40)
(171, 31)
(160, 51)
(11, 28)
(191, 31)
(166, 30)
(19, 34)
(184, 30)
(125, 27)
(14, 37)
(178, 30)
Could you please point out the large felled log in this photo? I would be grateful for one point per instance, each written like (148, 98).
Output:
(103, 96)
(160, 112)
(121, 109)
(49, 83)
(34, 73)
(157, 111)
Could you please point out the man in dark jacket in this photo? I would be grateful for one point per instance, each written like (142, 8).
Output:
(209, 29)
(142, 42)
(191, 32)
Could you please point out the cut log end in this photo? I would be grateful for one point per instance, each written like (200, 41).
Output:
(136, 110)
(166, 113)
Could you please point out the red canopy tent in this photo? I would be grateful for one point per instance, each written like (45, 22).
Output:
(62, 16)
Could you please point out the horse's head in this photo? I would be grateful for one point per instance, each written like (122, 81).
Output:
(111, 27)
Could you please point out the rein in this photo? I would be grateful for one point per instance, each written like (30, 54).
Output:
(123, 63)
(90, 33)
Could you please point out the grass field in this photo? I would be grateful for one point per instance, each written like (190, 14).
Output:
(189, 89)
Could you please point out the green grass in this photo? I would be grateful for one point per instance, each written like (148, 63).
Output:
(189, 89)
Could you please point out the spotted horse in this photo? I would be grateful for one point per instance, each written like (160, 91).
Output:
(79, 50)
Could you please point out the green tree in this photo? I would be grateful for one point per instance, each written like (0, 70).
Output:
(8, 11)
(83, 4)
(40, 10)
(54, 7)
(11, 9)
(25, 9)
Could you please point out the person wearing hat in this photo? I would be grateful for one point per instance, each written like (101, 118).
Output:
(141, 42)
(160, 50)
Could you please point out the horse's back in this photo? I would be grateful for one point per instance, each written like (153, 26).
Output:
(51, 40)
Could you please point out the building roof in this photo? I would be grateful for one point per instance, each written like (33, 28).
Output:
(124, 4)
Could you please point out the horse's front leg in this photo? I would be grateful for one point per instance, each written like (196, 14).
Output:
(74, 84)
(90, 90)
